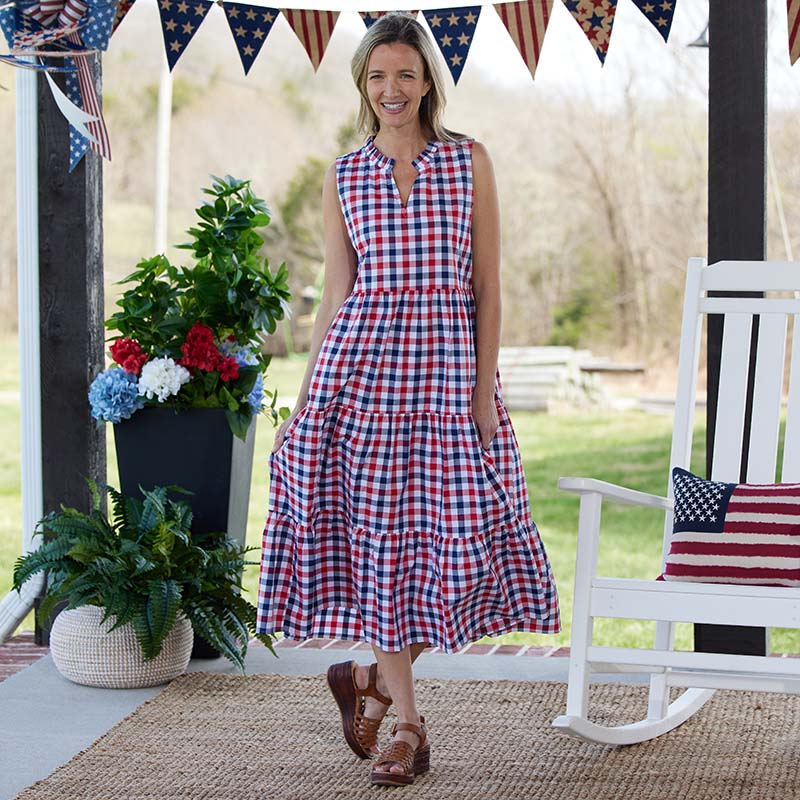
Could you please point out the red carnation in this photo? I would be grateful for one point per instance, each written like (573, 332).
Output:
(229, 369)
(128, 354)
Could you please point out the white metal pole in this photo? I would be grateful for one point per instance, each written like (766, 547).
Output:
(15, 607)
(163, 123)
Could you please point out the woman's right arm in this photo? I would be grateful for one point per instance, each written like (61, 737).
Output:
(341, 265)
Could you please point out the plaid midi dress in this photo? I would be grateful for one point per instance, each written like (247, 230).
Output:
(388, 522)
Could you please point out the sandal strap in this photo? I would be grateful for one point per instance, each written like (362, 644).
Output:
(398, 752)
(420, 730)
(372, 687)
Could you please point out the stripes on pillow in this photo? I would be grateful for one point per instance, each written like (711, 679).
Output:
(734, 533)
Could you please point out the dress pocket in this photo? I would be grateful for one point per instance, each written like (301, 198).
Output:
(289, 431)
(490, 471)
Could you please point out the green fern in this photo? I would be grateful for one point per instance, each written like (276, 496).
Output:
(144, 566)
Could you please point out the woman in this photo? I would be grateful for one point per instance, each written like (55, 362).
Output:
(399, 513)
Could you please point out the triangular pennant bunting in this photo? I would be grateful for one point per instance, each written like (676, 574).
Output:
(526, 23)
(78, 144)
(371, 16)
(313, 29)
(8, 21)
(659, 12)
(596, 18)
(97, 31)
(123, 7)
(250, 26)
(179, 23)
(793, 7)
(453, 29)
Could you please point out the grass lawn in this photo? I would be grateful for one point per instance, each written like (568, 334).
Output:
(630, 448)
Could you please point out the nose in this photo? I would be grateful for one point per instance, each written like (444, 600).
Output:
(390, 89)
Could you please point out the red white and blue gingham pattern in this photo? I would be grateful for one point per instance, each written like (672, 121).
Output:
(388, 522)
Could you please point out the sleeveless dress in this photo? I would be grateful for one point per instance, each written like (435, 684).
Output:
(388, 522)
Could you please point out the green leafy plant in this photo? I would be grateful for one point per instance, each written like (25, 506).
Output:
(143, 566)
(199, 327)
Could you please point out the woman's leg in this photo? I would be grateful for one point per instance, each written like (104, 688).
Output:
(374, 708)
(399, 679)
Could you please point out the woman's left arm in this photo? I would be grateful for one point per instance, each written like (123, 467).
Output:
(486, 288)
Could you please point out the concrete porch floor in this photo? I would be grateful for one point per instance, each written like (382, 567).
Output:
(45, 719)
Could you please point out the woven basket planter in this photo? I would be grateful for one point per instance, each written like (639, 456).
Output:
(85, 652)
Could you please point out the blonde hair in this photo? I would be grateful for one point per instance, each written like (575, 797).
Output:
(400, 26)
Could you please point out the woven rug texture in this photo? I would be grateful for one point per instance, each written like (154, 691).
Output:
(269, 737)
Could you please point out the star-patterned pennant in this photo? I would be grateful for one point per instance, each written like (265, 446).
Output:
(527, 23)
(659, 12)
(371, 16)
(793, 8)
(123, 7)
(180, 20)
(97, 31)
(596, 18)
(250, 26)
(313, 29)
(8, 21)
(453, 29)
(78, 144)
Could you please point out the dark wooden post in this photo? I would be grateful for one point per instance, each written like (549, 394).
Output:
(72, 309)
(737, 192)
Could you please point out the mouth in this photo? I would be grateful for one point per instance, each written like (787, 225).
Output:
(394, 108)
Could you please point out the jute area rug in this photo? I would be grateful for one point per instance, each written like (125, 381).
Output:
(268, 737)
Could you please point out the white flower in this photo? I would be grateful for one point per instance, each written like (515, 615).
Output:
(162, 378)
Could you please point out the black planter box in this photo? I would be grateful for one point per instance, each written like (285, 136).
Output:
(195, 449)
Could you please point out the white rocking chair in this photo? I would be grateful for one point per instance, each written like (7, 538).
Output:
(669, 602)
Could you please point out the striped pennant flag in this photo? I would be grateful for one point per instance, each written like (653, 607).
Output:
(659, 12)
(371, 16)
(453, 29)
(81, 90)
(526, 23)
(794, 27)
(596, 18)
(734, 533)
(313, 29)
(179, 23)
(250, 26)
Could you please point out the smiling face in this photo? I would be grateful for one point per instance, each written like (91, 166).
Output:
(396, 85)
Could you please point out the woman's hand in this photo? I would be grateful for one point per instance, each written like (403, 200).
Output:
(484, 413)
(282, 428)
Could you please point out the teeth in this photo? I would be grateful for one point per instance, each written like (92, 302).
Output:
(393, 106)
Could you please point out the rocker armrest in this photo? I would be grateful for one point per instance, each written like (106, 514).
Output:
(617, 494)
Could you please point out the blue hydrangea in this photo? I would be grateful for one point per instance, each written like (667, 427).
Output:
(114, 395)
(245, 356)
(256, 396)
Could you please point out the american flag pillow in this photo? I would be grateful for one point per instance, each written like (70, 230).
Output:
(734, 533)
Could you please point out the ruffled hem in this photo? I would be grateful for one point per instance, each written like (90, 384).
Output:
(330, 579)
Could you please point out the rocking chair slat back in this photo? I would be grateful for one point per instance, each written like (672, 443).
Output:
(790, 472)
(767, 391)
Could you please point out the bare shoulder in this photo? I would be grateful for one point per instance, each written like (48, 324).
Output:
(481, 160)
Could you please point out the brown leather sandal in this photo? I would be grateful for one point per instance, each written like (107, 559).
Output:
(414, 761)
(360, 731)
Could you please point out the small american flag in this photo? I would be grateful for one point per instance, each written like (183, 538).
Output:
(794, 24)
(526, 23)
(734, 533)
(313, 29)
